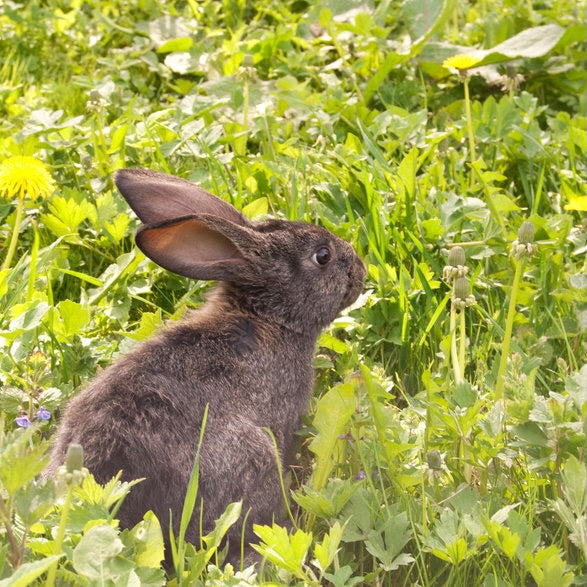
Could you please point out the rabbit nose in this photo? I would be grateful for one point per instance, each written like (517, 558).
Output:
(359, 268)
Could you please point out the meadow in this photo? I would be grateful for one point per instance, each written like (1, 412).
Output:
(445, 443)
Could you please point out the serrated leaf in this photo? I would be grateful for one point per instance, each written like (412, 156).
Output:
(574, 485)
(326, 550)
(20, 460)
(285, 551)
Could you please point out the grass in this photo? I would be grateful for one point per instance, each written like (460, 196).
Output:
(445, 443)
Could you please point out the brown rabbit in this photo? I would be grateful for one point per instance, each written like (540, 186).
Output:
(246, 353)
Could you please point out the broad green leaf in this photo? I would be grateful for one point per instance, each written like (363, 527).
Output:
(532, 434)
(343, 577)
(33, 501)
(166, 28)
(95, 556)
(256, 208)
(423, 17)
(27, 573)
(222, 525)
(333, 412)
(149, 323)
(176, 45)
(28, 315)
(407, 170)
(181, 63)
(21, 460)
(148, 542)
(334, 344)
(531, 43)
(75, 316)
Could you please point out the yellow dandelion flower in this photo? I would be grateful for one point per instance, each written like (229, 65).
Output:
(25, 176)
(461, 62)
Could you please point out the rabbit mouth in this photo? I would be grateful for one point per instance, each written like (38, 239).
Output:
(355, 280)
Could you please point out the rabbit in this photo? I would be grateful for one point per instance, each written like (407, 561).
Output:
(246, 353)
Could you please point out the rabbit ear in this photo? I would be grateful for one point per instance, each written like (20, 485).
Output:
(156, 197)
(199, 247)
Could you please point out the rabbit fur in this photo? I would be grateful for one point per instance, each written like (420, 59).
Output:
(246, 353)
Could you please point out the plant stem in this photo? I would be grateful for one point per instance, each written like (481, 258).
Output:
(60, 534)
(509, 325)
(15, 551)
(462, 342)
(33, 264)
(15, 231)
(453, 345)
(469, 119)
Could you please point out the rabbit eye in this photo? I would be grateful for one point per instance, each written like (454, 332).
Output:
(321, 256)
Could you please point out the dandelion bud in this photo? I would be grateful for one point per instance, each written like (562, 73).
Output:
(526, 233)
(461, 288)
(456, 264)
(95, 96)
(434, 459)
(524, 245)
(461, 293)
(456, 257)
(248, 61)
(74, 461)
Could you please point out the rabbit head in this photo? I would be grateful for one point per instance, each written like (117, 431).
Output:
(293, 274)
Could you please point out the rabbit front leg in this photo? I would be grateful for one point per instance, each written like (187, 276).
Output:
(239, 463)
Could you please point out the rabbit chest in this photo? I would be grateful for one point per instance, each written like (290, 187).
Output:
(237, 366)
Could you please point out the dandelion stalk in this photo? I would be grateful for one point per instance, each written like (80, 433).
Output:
(509, 325)
(456, 365)
(60, 534)
(462, 64)
(465, 79)
(461, 298)
(455, 272)
(462, 340)
(14, 237)
(521, 248)
(22, 177)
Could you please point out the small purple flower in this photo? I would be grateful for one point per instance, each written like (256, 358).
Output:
(43, 413)
(23, 421)
(361, 475)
